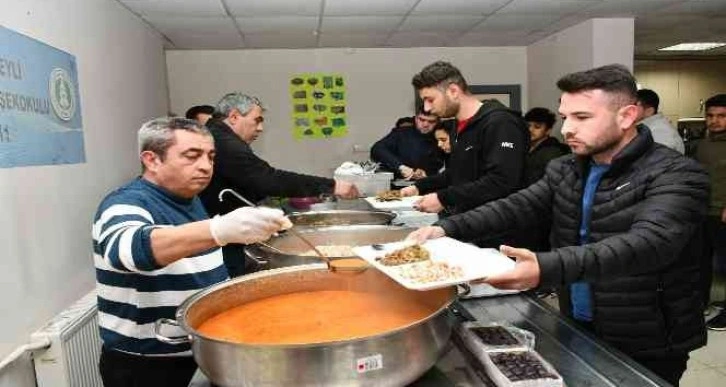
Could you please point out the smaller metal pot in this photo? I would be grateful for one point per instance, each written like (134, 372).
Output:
(266, 258)
(340, 218)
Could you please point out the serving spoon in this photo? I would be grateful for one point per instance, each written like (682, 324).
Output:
(353, 265)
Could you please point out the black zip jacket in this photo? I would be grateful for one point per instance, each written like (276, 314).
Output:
(237, 167)
(643, 262)
(408, 146)
(486, 161)
(537, 159)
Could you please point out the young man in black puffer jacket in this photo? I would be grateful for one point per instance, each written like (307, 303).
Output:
(626, 218)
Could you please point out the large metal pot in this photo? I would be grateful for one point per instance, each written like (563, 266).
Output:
(266, 258)
(393, 358)
(340, 218)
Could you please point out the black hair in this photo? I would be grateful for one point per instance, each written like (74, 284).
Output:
(648, 98)
(404, 121)
(439, 74)
(613, 79)
(541, 115)
(717, 100)
(199, 109)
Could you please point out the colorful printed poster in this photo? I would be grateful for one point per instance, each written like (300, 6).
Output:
(40, 108)
(318, 105)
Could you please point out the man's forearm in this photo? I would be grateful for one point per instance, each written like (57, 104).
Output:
(170, 244)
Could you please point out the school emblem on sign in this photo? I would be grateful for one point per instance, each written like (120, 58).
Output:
(62, 94)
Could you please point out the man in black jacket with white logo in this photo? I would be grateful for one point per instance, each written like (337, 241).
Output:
(489, 145)
(626, 218)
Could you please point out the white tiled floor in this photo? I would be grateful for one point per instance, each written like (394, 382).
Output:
(707, 366)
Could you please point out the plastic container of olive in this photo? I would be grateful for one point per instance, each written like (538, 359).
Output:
(508, 355)
(520, 369)
(494, 337)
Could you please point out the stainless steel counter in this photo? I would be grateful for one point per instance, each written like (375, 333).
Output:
(579, 357)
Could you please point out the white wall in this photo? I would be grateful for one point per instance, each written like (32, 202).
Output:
(47, 210)
(378, 89)
(592, 43)
(682, 85)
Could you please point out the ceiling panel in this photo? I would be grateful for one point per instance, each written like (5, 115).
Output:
(620, 8)
(515, 22)
(222, 41)
(352, 40)
(268, 24)
(419, 39)
(200, 24)
(198, 8)
(491, 39)
(360, 24)
(662, 23)
(458, 7)
(246, 8)
(440, 23)
(367, 7)
(700, 7)
(193, 25)
(548, 6)
(281, 40)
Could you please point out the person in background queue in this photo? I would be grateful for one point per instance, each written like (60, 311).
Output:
(410, 151)
(154, 246)
(661, 129)
(405, 122)
(542, 146)
(237, 167)
(488, 154)
(626, 217)
(443, 141)
(543, 149)
(200, 113)
(711, 153)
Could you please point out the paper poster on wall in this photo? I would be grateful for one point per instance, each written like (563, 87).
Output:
(318, 105)
(40, 108)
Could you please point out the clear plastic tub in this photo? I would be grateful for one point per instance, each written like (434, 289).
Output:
(369, 184)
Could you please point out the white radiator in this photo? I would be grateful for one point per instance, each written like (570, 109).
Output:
(75, 347)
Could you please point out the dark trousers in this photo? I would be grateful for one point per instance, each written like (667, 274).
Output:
(669, 368)
(235, 260)
(119, 369)
(715, 253)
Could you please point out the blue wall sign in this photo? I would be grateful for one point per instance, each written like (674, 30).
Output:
(40, 107)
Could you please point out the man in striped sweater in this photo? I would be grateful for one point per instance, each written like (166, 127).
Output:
(154, 246)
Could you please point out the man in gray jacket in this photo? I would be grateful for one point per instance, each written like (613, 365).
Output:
(626, 216)
(660, 128)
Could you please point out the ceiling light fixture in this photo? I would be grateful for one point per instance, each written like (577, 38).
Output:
(692, 47)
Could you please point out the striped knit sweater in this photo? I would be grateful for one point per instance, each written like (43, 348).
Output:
(133, 290)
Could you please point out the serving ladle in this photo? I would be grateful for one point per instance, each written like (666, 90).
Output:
(350, 265)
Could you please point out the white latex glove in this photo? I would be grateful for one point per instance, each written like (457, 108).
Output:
(406, 171)
(247, 225)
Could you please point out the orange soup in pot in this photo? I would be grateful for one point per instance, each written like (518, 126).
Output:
(314, 317)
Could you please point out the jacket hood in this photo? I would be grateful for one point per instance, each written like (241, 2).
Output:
(488, 107)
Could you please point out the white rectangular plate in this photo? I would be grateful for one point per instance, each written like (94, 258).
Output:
(403, 204)
(475, 263)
